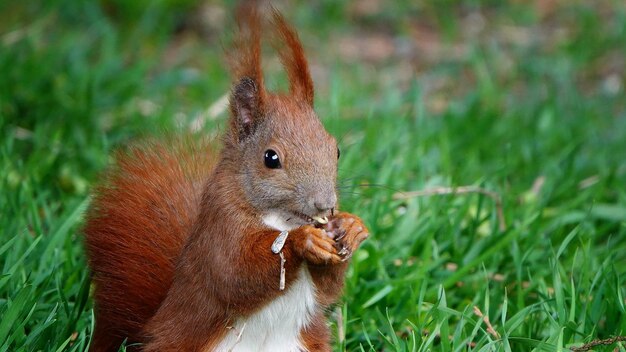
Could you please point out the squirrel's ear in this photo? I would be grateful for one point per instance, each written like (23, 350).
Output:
(245, 105)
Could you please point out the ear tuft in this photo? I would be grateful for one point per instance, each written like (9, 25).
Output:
(293, 59)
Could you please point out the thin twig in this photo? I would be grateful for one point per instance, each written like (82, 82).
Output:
(281, 283)
(588, 346)
(485, 318)
(460, 190)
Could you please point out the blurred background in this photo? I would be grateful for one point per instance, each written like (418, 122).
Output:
(524, 99)
(96, 66)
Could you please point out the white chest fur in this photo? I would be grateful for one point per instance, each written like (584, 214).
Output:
(275, 221)
(276, 327)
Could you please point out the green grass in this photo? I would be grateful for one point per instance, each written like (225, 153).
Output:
(531, 105)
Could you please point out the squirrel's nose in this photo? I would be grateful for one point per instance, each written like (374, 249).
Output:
(325, 204)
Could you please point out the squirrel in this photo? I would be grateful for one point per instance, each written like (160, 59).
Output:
(179, 236)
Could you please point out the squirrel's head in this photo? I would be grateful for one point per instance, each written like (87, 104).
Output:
(287, 162)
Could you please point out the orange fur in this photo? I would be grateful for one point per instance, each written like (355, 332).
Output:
(137, 224)
(294, 60)
(245, 58)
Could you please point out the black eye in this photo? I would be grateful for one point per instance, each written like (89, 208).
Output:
(338, 153)
(271, 159)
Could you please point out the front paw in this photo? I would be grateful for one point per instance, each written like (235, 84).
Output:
(348, 231)
(316, 246)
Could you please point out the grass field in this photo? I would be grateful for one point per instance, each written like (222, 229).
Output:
(525, 100)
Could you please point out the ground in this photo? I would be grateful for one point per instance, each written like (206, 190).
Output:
(509, 117)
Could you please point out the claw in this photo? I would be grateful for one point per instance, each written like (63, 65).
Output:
(346, 258)
(341, 236)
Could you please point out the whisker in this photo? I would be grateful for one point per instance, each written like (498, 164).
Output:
(349, 192)
(368, 185)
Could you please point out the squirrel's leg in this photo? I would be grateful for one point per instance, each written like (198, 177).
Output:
(316, 336)
(329, 280)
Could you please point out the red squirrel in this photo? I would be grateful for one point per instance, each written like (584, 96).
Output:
(179, 237)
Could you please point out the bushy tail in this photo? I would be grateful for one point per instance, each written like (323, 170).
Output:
(137, 224)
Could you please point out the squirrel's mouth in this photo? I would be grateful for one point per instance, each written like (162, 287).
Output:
(311, 219)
